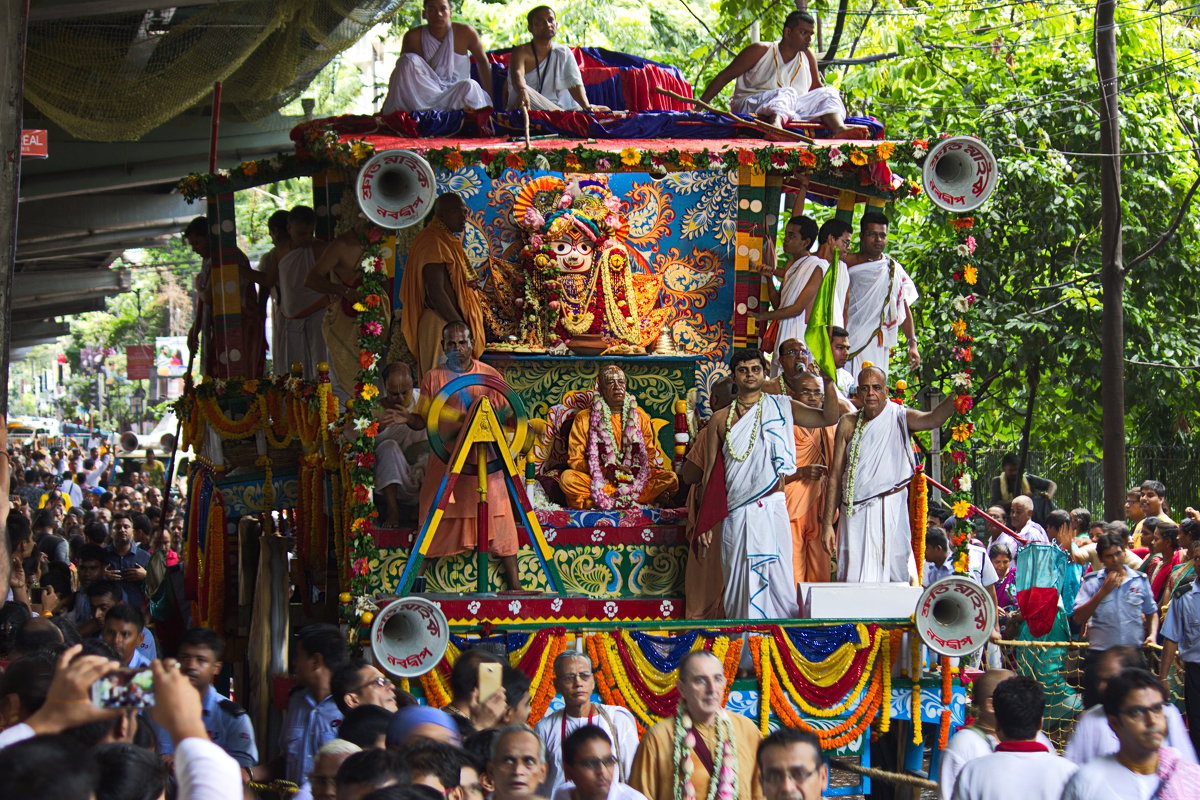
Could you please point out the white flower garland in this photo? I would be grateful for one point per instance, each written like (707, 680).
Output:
(724, 782)
(602, 452)
(852, 461)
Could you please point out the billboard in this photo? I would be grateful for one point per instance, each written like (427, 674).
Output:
(139, 358)
(170, 360)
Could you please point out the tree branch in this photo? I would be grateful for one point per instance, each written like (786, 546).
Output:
(1180, 213)
(836, 38)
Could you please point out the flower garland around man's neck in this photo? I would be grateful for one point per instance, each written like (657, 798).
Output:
(602, 453)
(852, 460)
(729, 423)
(724, 783)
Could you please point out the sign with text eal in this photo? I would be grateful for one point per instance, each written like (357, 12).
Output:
(34, 144)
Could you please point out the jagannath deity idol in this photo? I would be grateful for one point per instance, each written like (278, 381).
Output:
(585, 288)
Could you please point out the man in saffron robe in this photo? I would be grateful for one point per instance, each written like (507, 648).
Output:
(627, 459)
(436, 288)
(702, 692)
(805, 490)
(458, 530)
(872, 450)
(741, 459)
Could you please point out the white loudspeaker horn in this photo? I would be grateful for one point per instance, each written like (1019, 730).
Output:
(129, 442)
(167, 442)
(959, 173)
(955, 616)
(396, 188)
(409, 637)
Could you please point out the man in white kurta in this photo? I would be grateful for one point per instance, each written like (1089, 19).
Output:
(434, 68)
(791, 303)
(779, 81)
(878, 301)
(872, 467)
(542, 75)
(574, 678)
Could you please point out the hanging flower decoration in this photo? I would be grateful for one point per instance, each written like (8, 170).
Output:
(964, 275)
(358, 461)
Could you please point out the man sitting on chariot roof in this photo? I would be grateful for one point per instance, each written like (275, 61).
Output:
(434, 68)
(542, 75)
(613, 457)
(779, 81)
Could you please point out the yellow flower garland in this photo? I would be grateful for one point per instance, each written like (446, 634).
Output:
(885, 720)
(830, 671)
(916, 689)
(852, 696)
(764, 692)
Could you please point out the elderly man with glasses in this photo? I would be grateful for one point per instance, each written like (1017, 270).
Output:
(574, 680)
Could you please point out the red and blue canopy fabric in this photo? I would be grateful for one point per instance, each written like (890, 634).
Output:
(621, 81)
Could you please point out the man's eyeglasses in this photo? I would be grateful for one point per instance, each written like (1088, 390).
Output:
(1134, 713)
(594, 764)
(797, 774)
(571, 677)
(381, 682)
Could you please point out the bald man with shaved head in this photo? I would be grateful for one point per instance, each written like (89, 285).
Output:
(868, 483)
(1020, 519)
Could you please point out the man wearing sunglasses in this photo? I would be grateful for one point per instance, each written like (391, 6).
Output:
(357, 683)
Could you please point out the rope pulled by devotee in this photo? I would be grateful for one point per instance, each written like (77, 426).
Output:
(883, 775)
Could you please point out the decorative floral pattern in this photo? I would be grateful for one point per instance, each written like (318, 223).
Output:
(963, 278)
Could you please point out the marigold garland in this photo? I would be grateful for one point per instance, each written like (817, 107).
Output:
(918, 518)
(964, 276)
(763, 659)
(947, 696)
(915, 665)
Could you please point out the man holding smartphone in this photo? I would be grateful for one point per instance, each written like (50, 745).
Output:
(126, 563)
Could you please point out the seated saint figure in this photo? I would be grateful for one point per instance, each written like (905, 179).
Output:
(434, 68)
(613, 457)
(779, 81)
(542, 75)
(401, 452)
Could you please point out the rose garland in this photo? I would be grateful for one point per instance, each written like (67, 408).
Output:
(602, 455)
(725, 785)
(361, 426)
(964, 277)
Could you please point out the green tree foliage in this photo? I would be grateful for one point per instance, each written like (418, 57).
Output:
(1020, 76)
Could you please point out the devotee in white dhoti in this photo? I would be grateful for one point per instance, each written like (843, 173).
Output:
(753, 444)
(879, 298)
(433, 72)
(301, 339)
(542, 75)
(574, 678)
(868, 482)
(792, 301)
(779, 81)
(401, 452)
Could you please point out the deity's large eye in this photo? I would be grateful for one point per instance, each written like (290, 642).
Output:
(561, 248)
(584, 247)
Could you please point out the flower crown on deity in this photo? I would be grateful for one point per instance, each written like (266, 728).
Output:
(548, 206)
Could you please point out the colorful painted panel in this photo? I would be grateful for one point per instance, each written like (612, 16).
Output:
(680, 230)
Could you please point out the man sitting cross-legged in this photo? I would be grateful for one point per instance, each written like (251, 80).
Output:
(613, 457)
(542, 75)
(434, 68)
(779, 81)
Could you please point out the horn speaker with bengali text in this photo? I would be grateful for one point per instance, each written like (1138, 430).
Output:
(959, 174)
(409, 636)
(396, 188)
(129, 442)
(955, 616)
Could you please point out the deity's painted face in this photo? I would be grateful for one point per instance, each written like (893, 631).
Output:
(572, 251)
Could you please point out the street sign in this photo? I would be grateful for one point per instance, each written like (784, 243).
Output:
(139, 361)
(34, 144)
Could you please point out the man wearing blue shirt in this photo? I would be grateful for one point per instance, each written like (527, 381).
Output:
(123, 626)
(1181, 635)
(200, 651)
(1116, 603)
(126, 563)
(312, 717)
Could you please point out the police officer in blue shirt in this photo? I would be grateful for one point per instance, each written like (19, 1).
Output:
(199, 654)
(1117, 603)
(1181, 634)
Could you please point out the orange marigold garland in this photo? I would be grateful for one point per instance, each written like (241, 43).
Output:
(916, 689)
(918, 518)
(947, 696)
